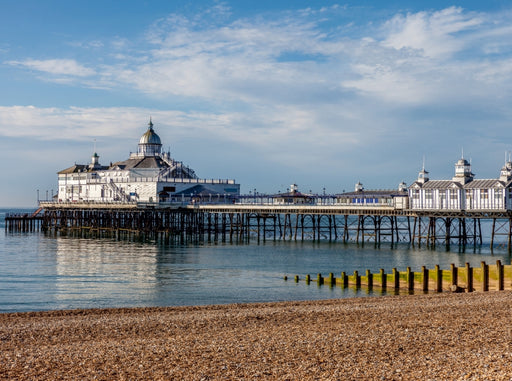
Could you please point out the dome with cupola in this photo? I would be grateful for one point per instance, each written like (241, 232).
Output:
(149, 143)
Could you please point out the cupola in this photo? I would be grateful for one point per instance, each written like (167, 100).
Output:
(95, 161)
(506, 172)
(149, 143)
(463, 173)
(422, 176)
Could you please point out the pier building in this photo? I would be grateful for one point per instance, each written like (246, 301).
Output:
(396, 198)
(463, 191)
(148, 175)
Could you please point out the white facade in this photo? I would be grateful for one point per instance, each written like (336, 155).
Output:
(147, 176)
(462, 192)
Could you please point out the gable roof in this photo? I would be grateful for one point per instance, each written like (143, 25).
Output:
(485, 184)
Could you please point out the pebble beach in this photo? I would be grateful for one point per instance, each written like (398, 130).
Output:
(429, 337)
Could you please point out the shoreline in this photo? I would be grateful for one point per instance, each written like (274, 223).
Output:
(432, 336)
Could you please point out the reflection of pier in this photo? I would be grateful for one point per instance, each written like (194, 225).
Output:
(228, 222)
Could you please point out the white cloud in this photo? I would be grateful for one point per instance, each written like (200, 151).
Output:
(435, 34)
(65, 67)
(293, 98)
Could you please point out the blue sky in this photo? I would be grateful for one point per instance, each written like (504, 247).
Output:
(318, 93)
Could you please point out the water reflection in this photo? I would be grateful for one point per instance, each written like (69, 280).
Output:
(103, 270)
(40, 271)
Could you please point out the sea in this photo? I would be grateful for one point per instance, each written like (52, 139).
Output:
(41, 271)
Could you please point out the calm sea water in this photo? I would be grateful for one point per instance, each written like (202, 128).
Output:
(43, 272)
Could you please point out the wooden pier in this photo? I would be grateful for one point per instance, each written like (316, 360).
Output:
(242, 222)
(25, 222)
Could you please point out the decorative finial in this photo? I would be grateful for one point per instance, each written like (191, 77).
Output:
(150, 124)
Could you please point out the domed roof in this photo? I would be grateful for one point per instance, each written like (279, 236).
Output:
(150, 136)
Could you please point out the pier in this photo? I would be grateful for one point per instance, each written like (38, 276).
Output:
(25, 222)
(269, 221)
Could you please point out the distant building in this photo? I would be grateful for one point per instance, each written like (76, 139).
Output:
(463, 191)
(293, 197)
(396, 198)
(146, 176)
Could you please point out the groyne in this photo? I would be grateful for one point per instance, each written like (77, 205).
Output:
(496, 277)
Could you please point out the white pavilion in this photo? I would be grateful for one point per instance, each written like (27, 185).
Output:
(146, 176)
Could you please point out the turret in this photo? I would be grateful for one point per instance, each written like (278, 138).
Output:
(463, 173)
(95, 162)
(506, 171)
(422, 176)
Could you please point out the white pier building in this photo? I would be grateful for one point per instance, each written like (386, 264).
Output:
(146, 176)
(463, 191)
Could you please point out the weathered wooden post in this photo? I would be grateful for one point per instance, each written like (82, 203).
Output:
(396, 279)
(331, 279)
(344, 279)
(424, 272)
(485, 276)
(308, 279)
(410, 279)
(383, 279)
(454, 270)
(357, 279)
(469, 276)
(296, 279)
(319, 279)
(439, 279)
(369, 278)
(501, 273)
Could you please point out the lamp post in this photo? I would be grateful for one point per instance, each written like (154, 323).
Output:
(38, 196)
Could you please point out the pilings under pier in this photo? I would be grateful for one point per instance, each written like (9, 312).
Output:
(244, 223)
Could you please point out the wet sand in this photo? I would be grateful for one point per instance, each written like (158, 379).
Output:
(437, 337)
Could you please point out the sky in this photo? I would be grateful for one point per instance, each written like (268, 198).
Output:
(319, 93)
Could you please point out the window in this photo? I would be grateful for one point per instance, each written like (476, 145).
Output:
(484, 194)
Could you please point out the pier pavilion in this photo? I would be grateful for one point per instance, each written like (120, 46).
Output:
(148, 175)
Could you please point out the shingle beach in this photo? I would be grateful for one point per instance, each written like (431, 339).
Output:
(437, 337)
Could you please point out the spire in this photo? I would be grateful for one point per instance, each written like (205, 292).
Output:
(150, 124)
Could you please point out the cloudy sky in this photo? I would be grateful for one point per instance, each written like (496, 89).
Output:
(318, 93)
